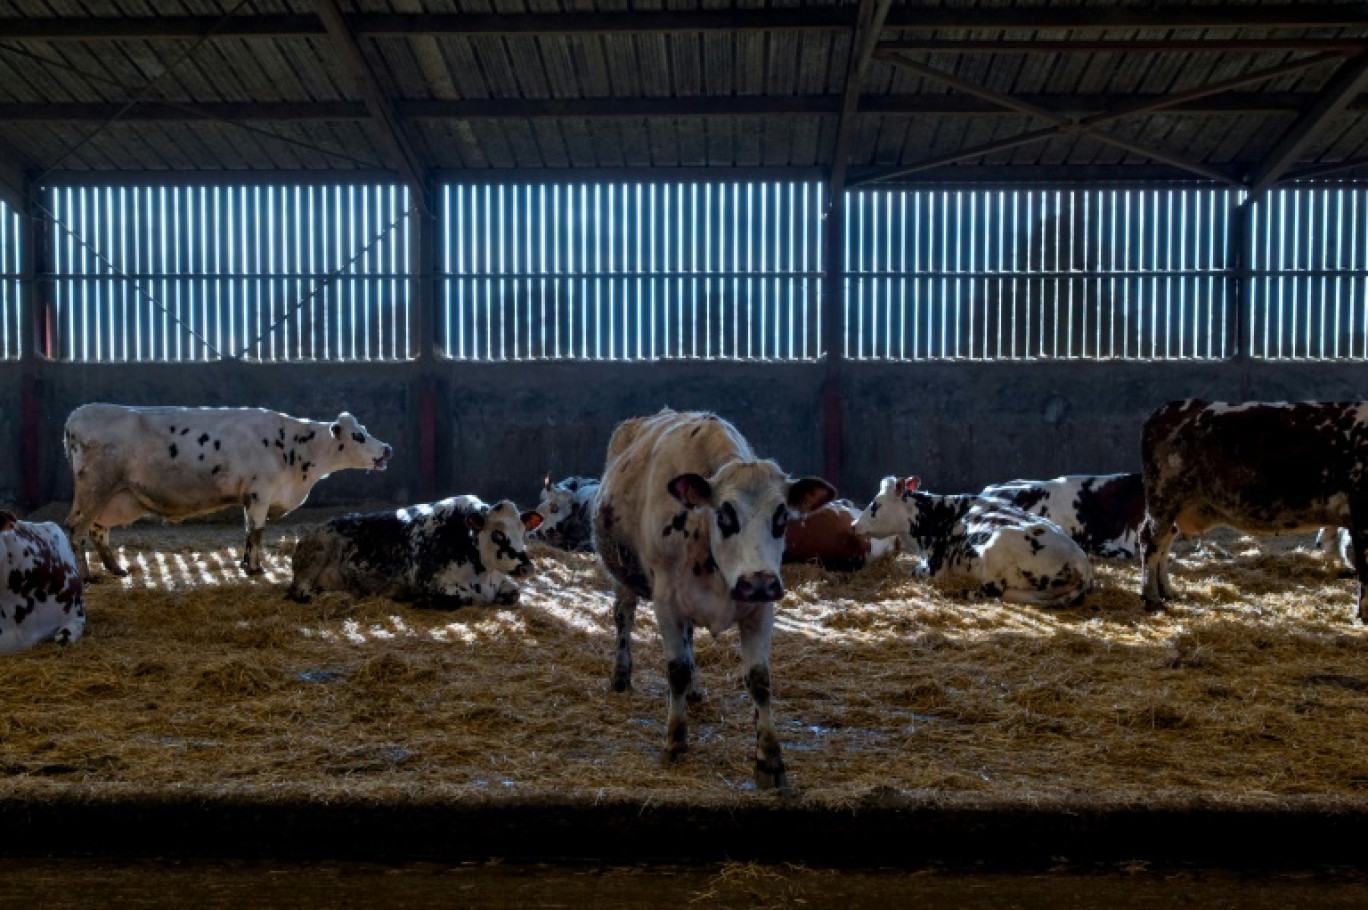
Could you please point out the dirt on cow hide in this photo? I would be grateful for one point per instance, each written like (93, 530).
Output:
(1251, 690)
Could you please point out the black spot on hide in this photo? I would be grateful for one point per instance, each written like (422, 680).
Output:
(173, 450)
(204, 437)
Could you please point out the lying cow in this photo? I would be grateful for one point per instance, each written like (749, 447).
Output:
(689, 518)
(445, 554)
(1342, 543)
(1101, 512)
(181, 462)
(1262, 468)
(828, 538)
(566, 509)
(42, 599)
(981, 544)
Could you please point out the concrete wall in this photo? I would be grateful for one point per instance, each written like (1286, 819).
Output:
(497, 428)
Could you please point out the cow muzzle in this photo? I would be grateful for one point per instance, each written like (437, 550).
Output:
(757, 587)
(383, 461)
(523, 569)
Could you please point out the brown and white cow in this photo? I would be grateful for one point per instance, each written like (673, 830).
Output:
(443, 554)
(1260, 467)
(980, 544)
(1101, 512)
(42, 598)
(127, 462)
(691, 519)
(828, 537)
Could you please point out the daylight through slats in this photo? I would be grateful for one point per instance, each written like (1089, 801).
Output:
(261, 273)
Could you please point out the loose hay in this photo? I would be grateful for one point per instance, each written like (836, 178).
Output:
(1252, 689)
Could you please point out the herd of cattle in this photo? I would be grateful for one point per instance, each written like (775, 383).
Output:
(687, 516)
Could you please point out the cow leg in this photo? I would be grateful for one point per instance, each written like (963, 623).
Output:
(1359, 542)
(624, 617)
(757, 627)
(255, 512)
(99, 536)
(679, 670)
(1156, 537)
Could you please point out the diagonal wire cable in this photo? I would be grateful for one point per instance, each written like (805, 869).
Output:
(190, 108)
(139, 93)
(325, 283)
(137, 286)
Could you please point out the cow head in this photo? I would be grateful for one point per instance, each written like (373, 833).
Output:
(359, 449)
(748, 504)
(555, 506)
(892, 510)
(499, 538)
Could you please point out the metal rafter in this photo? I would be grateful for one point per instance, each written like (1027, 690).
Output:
(1345, 85)
(13, 182)
(98, 28)
(404, 158)
(871, 19)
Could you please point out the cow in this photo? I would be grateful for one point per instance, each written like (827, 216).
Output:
(1343, 544)
(1259, 467)
(180, 462)
(692, 520)
(451, 553)
(828, 538)
(1101, 512)
(43, 599)
(980, 544)
(566, 508)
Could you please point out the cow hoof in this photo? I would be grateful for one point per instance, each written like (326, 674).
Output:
(506, 600)
(695, 696)
(299, 597)
(1154, 606)
(117, 571)
(252, 570)
(622, 682)
(770, 779)
(676, 752)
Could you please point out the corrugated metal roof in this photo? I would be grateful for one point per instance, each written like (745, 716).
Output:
(543, 85)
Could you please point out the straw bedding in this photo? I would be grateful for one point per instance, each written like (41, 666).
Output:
(1251, 690)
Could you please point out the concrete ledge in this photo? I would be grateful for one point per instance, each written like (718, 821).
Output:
(892, 832)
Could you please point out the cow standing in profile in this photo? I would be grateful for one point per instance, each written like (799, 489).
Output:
(444, 554)
(42, 598)
(980, 544)
(181, 462)
(689, 518)
(1262, 468)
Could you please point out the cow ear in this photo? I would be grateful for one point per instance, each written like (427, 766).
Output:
(546, 482)
(7, 520)
(810, 494)
(336, 430)
(531, 520)
(911, 483)
(691, 489)
(475, 521)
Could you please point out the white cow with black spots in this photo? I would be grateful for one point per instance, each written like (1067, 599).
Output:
(41, 598)
(127, 462)
(444, 554)
(689, 518)
(980, 544)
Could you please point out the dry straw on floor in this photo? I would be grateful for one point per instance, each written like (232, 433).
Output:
(1251, 690)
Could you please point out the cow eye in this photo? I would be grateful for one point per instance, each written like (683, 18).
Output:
(359, 437)
(555, 509)
(873, 509)
(499, 537)
(780, 521)
(727, 522)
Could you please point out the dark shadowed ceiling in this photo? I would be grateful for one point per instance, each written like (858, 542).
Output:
(1250, 93)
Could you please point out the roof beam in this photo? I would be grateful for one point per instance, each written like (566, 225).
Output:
(1346, 84)
(871, 19)
(1115, 46)
(14, 183)
(403, 157)
(729, 106)
(96, 28)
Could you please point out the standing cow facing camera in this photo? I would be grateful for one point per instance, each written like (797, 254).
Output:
(689, 518)
(982, 544)
(127, 462)
(42, 598)
(1260, 467)
(451, 553)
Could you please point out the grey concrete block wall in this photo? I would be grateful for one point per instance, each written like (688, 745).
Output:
(497, 428)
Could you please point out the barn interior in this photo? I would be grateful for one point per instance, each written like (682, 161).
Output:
(967, 240)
